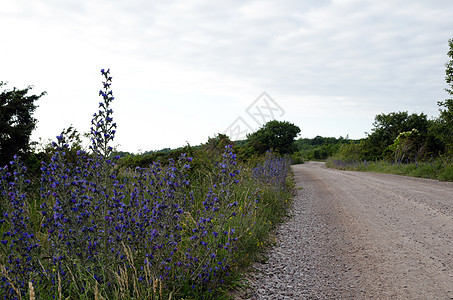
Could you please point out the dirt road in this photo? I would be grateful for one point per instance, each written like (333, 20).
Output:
(357, 235)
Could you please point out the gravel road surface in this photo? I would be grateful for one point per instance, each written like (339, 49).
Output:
(357, 235)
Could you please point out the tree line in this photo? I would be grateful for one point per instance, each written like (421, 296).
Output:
(396, 136)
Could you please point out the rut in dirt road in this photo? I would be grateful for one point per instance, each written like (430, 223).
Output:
(357, 235)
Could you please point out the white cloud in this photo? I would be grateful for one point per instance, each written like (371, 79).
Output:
(329, 59)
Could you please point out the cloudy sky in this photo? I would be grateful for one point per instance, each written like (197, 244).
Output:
(187, 70)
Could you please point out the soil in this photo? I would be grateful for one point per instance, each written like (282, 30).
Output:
(355, 235)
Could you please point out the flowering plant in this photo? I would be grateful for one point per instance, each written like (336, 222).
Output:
(141, 233)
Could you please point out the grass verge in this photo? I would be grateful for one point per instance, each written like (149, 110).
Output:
(440, 169)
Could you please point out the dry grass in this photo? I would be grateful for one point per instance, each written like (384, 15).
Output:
(5, 273)
(31, 291)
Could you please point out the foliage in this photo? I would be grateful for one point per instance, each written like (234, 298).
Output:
(272, 170)
(216, 144)
(297, 158)
(401, 136)
(276, 135)
(445, 128)
(320, 148)
(395, 136)
(439, 168)
(16, 122)
(157, 232)
(407, 146)
(205, 155)
(164, 156)
(18, 244)
(387, 127)
(351, 151)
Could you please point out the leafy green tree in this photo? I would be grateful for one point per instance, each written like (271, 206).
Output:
(71, 137)
(16, 122)
(205, 157)
(408, 146)
(276, 135)
(446, 110)
(320, 148)
(387, 127)
(217, 144)
(351, 151)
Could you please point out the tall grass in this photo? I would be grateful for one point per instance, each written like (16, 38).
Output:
(93, 231)
(441, 168)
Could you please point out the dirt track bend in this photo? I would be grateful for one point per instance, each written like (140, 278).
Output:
(357, 235)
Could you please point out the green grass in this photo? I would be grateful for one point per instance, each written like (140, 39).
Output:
(440, 169)
(261, 205)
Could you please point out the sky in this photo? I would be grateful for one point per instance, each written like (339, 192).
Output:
(184, 71)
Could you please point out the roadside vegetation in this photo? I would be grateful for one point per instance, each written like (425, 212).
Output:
(405, 144)
(320, 148)
(439, 169)
(93, 223)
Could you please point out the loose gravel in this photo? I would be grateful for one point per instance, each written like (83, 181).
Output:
(355, 235)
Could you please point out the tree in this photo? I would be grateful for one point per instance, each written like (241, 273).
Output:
(216, 145)
(276, 135)
(446, 110)
(16, 121)
(387, 127)
(408, 146)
